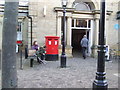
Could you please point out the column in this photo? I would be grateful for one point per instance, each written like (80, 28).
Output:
(96, 31)
(95, 37)
(59, 28)
(68, 36)
(69, 24)
(91, 37)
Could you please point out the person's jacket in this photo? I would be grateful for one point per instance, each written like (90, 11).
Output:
(84, 42)
(35, 47)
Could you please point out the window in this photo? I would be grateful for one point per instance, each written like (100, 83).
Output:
(80, 23)
(19, 31)
(19, 27)
(81, 6)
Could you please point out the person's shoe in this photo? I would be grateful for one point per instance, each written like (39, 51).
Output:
(84, 57)
(39, 62)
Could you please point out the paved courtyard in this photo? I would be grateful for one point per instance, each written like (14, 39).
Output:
(79, 73)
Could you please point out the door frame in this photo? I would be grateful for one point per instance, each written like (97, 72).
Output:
(89, 30)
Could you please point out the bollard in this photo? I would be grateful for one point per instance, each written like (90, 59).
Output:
(26, 51)
(31, 62)
(21, 59)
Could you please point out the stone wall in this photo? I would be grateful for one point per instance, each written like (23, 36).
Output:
(44, 20)
(111, 29)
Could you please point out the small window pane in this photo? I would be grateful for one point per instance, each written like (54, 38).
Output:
(89, 24)
(81, 23)
(73, 23)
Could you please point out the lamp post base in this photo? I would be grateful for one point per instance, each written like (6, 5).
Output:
(63, 61)
(100, 83)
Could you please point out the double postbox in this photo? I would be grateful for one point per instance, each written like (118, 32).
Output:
(52, 43)
(19, 42)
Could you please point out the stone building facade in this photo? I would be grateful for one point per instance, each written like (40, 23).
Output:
(82, 17)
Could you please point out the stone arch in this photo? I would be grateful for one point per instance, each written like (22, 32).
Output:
(92, 4)
(81, 6)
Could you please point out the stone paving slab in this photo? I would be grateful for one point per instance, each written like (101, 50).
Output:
(79, 73)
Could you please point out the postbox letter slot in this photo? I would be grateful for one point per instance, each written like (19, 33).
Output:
(55, 42)
(49, 42)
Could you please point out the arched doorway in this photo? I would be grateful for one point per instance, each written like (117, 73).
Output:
(82, 25)
(81, 13)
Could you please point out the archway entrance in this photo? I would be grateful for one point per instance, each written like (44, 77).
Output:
(80, 27)
(82, 24)
(76, 38)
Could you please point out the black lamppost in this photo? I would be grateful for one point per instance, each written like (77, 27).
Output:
(100, 83)
(63, 56)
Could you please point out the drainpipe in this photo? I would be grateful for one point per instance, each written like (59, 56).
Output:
(29, 17)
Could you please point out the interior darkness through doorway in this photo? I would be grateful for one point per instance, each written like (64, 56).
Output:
(77, 35)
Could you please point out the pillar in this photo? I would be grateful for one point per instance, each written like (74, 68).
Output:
(59, 28)
(69, 33)
(69, 24)
(91, 37)
(95, 37)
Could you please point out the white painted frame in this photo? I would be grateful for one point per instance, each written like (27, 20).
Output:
(90, 30)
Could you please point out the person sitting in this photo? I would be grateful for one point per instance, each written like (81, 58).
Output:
(40, 52)
(35, 46)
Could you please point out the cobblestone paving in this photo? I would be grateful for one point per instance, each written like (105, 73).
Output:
(79, 73)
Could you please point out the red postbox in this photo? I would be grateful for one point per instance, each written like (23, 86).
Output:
(19, 42)
(51, 43)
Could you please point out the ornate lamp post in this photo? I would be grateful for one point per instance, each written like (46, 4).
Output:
(100, 83)
(63, 56)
